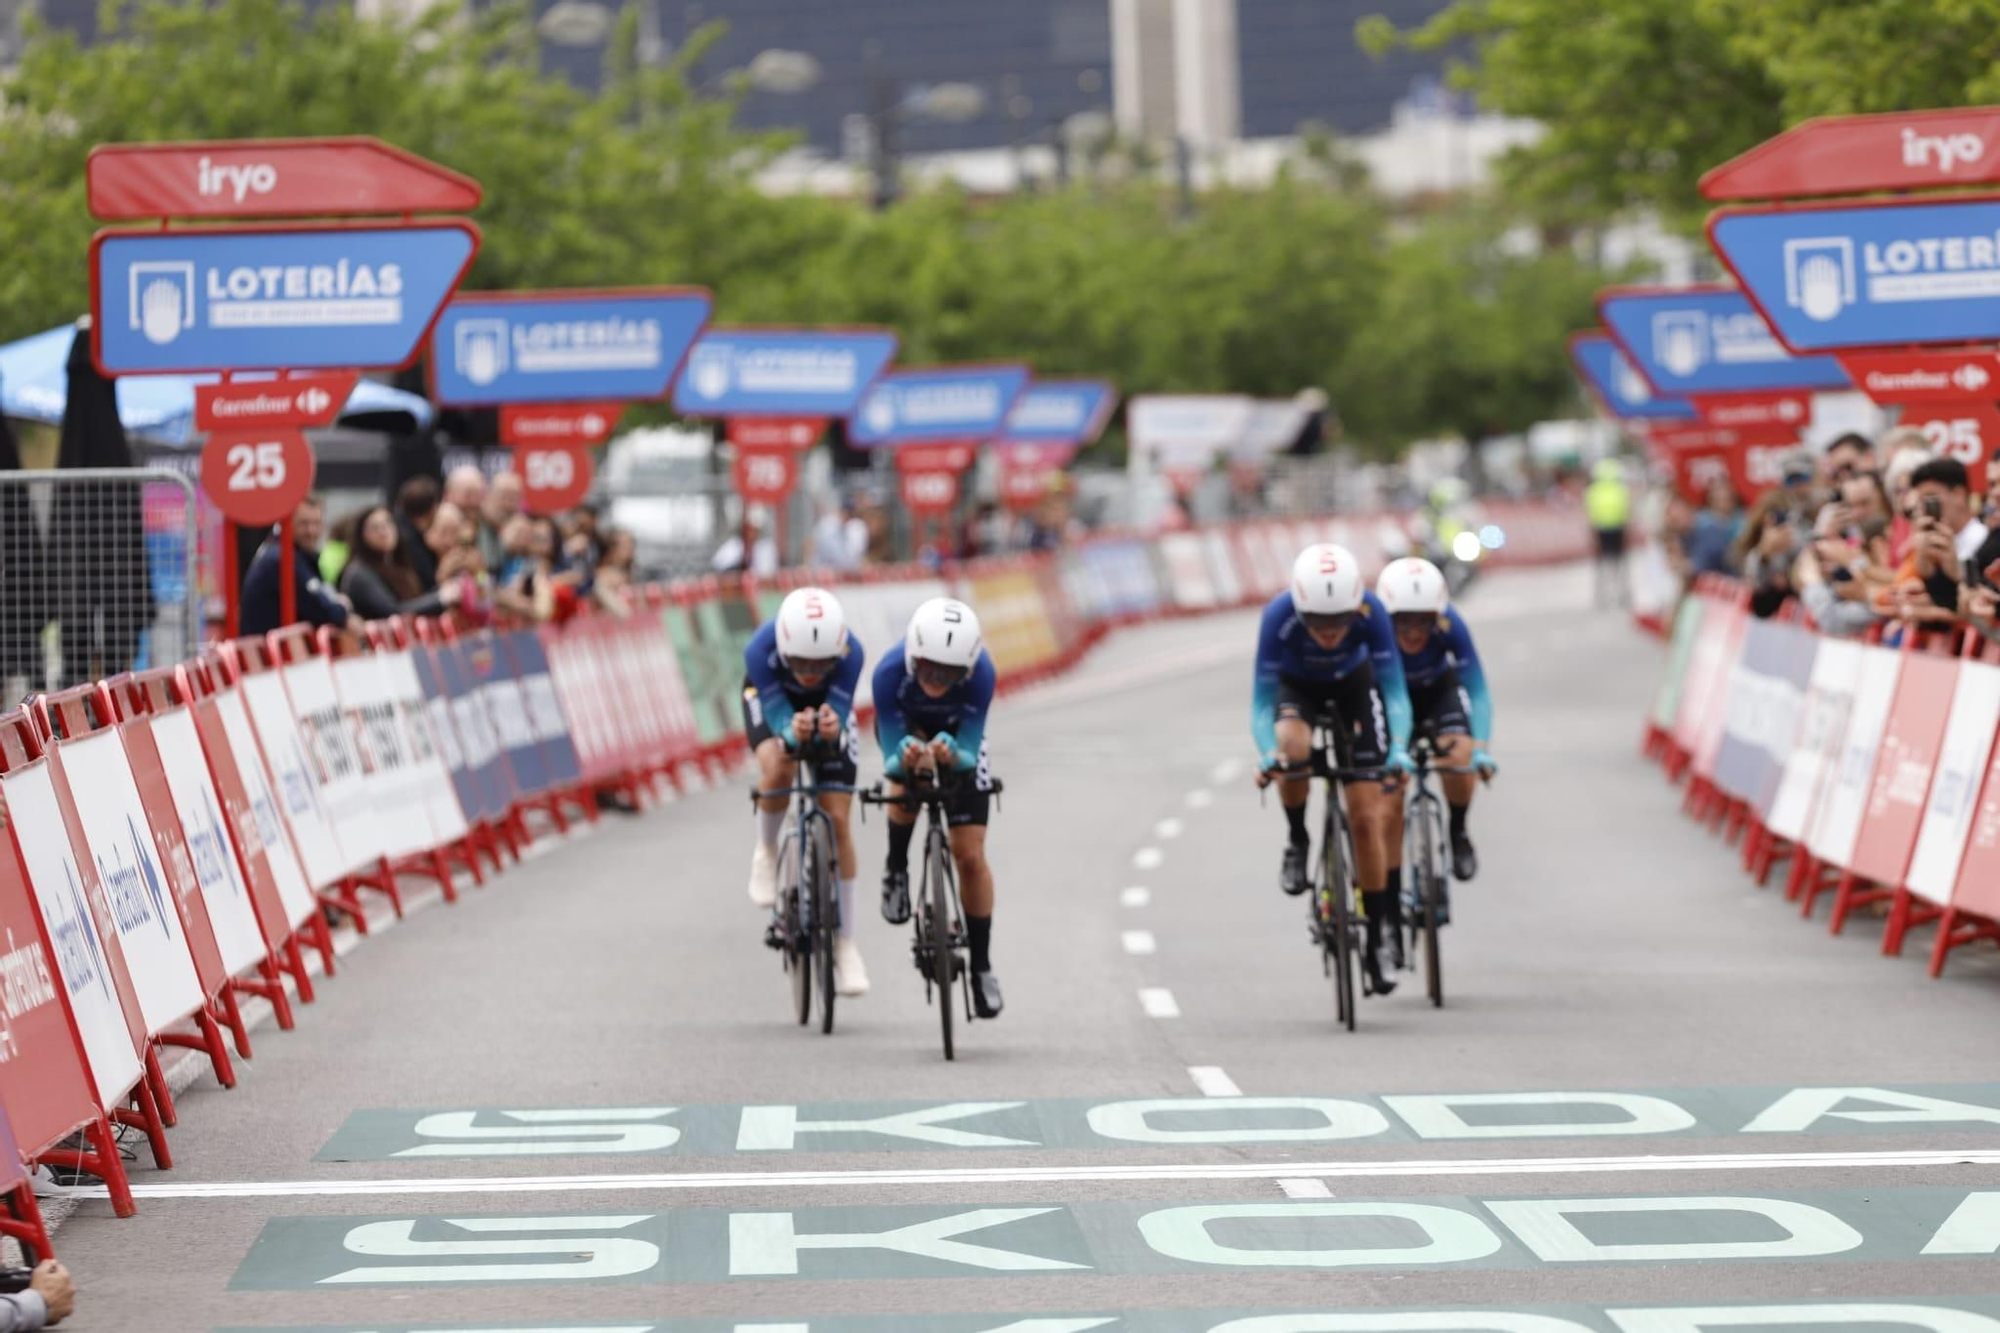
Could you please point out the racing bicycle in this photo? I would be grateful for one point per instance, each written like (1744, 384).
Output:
(807, 914)
(939, 946)
(1336, 919)
(1425, 856)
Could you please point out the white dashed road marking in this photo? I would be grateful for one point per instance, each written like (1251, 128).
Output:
(1200, 798)
(1158, 1002)
(1147, 858)
(1140, 942)
(1136, 896)
(1226, 771)
(1210, 1081)
(1168, 828)
(1306, 1188)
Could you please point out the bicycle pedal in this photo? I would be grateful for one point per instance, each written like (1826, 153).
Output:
(774, 938)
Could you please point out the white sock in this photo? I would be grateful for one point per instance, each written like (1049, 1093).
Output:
(847, 907)
(769, 824)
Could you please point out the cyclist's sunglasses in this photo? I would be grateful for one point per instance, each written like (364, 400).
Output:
(939, 676)
(1413, 620)
(808, 669)
(1334, 623)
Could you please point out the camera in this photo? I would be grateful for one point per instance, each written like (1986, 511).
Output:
(14, 1280)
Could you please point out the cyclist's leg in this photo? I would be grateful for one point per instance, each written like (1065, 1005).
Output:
(775, 769)
(1296, 707)
(1375, 813)
(1452, 711)
(896, 868)
(967, 812)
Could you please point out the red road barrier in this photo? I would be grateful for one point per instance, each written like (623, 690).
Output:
(20, 1215)
(1888, 789)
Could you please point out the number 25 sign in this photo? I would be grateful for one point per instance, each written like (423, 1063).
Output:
(256, 478)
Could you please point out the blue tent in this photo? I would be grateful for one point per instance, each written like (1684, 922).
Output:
(34, 386)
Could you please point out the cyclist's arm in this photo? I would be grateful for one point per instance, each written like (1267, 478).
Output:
(1388, 660)
(846, 679)
(890, 728)
(1264, 685)
(771, 697)
(1472, 676)
(971, 733)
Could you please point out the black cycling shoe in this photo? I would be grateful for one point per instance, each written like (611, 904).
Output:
(1464, 861)
(896, 897)
(1292, 876)
(986, 1001)
(1379, 966)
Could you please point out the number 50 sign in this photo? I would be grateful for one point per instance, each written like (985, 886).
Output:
(256, 478)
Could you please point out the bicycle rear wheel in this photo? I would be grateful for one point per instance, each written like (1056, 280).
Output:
(1337, 908)
(794, 919)
(1430, 869)
(819, 875)
(937, 871)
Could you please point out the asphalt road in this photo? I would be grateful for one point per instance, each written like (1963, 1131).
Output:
(1168, 1047)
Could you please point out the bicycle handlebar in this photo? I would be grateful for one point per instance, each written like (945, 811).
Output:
(916, 794)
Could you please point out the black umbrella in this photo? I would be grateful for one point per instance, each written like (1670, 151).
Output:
(97, 533)
(24, 598)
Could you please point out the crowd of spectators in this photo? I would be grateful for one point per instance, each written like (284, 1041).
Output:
(466, 549)
(1864, 535)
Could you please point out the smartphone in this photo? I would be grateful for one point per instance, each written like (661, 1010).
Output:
(1933, 507)
(1841, 574)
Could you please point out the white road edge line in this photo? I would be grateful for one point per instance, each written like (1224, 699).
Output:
(1147, 858)
(1158, 1002)
(1139, 942)
(1310, 1187)
(1344, 1170)
(1136, 896)
(1210, 1081)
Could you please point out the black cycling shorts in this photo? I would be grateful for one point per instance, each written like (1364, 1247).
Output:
(1364, 716)
(840, 769)
(1443, 705)
(1610, 543)
(968, 797)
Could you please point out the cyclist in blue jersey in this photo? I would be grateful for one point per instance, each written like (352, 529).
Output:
(800, 674)
(931, 697)
(1447, 688)
(1327, 641)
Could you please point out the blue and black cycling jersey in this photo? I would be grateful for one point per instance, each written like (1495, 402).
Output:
(904, 712)
(779, 693)
(1286, 652)
(1450, 654)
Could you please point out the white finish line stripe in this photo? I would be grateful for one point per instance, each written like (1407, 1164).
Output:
(1311, 1187)
(1027, 1175)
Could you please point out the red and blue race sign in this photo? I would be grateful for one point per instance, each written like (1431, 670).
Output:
(271, 298)
(782, 372)
(1693, 340)
(621, 345)
(1062, 412)
(1875, 274)
(942, 403)
(1618, 388)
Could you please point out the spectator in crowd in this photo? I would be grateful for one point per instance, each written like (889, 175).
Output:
(504, 495)
(380, 580)
(881, 536)
(1906, 450)
(333, 550)
(49, 1299)
(840, 537)
(1607, 505)
(466, 488)
(417, 503)
(448, 539)
(985, 532)
(1054, 523)
(317, 604)
(1846, 456)
(530, 585)
(751, 550)
(1769, 547)
(1714, 530)
(1948, 536)
(582, 544)
(611, 588)
(1842, 570)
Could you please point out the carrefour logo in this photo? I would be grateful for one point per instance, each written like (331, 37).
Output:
(170, 297)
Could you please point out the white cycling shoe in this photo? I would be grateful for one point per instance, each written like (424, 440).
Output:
(850, 976)
(764, 877)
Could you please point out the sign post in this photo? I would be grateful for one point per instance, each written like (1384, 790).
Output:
(324, 297)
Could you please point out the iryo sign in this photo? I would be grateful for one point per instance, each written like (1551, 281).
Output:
(1876, 274)
(1706, 340)
(270, 298)
(270, 178)
(564, 347)
(1903, 150)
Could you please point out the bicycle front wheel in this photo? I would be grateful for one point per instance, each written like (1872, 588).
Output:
(795, 919)
(937, 876)
(819, 876)
(1337, 908)
(1430, 883)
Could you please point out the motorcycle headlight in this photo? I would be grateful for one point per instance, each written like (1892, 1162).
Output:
(1465, 547)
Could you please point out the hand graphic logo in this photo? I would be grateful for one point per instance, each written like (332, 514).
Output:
(1819, 287)
(1819, 276)
(160, 311)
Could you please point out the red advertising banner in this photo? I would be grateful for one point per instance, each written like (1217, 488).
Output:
(270, 178)
(1695, 470)
(1756, 468)
(765, 475)
(1788, 412)
(799, 433)
(257, 477)
(571, 425)
(930, 494)
(1963, 430)
(1903, 150)
(1908, 753)
(305, 400)
(42, 1085)
(1027, 469)
(1677, 439)
(553, 480)
(934, 457)
(1890, 378)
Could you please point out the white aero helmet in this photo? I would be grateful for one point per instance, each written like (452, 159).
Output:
(1412, 587)
(1326, 581)
(945, 633)
(811, 626)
